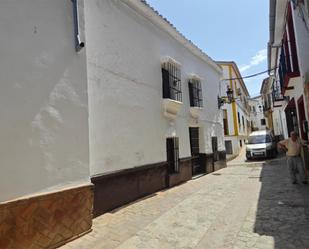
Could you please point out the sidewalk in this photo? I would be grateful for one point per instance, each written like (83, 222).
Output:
(236, 207)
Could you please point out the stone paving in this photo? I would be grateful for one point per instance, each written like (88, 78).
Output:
(252, 206)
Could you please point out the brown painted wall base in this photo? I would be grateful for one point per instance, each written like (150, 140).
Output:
(46, 221)
(221, 163)
(185, 173)
(116, 189)
(119, 188)
(212, 165)
(209, 163)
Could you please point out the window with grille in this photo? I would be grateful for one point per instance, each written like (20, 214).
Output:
(172, 147)
(195, 93)
(171, 79)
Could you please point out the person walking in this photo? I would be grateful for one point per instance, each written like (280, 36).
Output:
(293, 146)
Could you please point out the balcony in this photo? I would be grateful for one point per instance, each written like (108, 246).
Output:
(288, 65)
(277, 94)
(172, 94)
(286, 73)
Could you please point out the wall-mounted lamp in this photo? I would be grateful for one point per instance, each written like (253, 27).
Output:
(230, 94)
(228, 99)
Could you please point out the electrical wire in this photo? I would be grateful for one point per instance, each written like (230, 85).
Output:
(252, 75)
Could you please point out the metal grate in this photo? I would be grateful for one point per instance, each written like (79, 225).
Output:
(276, 91)
(195, 93)
(171, 77)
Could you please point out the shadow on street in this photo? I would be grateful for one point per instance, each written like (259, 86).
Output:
(282, 211)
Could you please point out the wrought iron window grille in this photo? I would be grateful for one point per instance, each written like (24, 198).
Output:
(171, 77)
(195, 93)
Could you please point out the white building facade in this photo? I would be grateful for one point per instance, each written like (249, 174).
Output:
(131, 111)
(131, 119)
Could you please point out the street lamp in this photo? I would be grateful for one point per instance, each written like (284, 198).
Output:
(228, 99)
(229, 94)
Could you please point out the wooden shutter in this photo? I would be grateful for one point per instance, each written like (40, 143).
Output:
(166, 84)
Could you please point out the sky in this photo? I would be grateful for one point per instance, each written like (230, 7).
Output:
(227, 30)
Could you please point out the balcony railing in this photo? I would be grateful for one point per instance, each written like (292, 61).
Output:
(277, 93)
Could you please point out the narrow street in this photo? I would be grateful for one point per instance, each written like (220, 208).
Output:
(245, 206)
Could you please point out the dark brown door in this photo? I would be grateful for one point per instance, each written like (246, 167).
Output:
(195, 151)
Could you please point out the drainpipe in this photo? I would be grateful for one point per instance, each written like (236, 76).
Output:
(78, 43)
(272, 21)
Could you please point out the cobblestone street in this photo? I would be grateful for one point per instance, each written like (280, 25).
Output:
(252, 206)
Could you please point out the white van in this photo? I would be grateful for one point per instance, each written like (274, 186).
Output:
(261, 144)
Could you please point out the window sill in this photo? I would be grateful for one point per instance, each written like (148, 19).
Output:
(195, 111)
(171, 108)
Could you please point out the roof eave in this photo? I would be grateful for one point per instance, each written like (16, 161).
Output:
(143, 8)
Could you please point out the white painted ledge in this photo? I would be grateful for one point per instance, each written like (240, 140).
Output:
(171, 108)
(196, 112)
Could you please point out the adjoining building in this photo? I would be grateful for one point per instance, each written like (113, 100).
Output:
(288, 62)
(153, 114)
(236, 115)
(257, 118)
(275, 119)
(131, 111)
(266, 95)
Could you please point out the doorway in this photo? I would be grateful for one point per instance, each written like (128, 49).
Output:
(291, 117)
(214, 145)
(195, 151)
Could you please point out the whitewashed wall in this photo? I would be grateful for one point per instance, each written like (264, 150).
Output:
(302, 40)
(127, 126)
(257, 102)
(43, 99)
